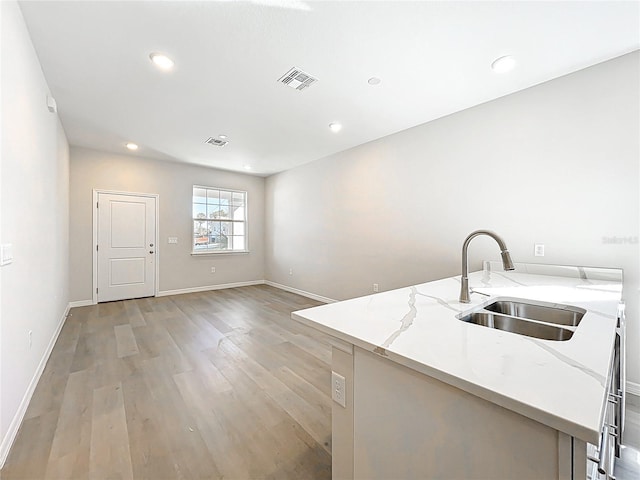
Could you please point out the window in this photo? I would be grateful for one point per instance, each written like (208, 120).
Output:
(219, 220)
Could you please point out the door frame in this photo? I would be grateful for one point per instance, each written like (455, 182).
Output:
(96, 192)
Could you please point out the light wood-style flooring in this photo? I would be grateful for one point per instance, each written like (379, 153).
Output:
(215, 385)
(219, 384)
(628, 465)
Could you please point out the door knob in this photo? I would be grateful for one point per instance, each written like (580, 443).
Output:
(151, 244)
(150, 251)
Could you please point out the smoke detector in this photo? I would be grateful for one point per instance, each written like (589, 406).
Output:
(216, 142)
(297, 78)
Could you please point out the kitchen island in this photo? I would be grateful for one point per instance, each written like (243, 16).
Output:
(430, 396)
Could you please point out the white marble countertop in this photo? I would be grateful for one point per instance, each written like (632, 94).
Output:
(561, 384)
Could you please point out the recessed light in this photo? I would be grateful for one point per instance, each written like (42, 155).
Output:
(161, 61)
(131, 146)
(335, 127)
(503, 64)
(222, 136)
(247, 167)
(374, 81)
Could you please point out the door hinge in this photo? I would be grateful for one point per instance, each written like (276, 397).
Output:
(96, 290)
(97, 205)
(96, 248)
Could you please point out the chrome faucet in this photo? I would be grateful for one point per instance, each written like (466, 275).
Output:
(507, 264)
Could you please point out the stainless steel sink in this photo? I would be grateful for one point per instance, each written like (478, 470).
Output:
(566, 315)
(518, 325)
(535, 319)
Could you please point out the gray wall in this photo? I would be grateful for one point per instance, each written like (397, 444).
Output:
(34, 206)
(173, 182)
(555, 164)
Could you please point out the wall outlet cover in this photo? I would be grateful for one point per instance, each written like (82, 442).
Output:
(338, 389)
(6, 254)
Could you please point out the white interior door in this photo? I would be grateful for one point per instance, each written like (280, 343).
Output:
(126, 246)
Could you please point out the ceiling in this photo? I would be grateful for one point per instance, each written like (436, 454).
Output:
(433, 59)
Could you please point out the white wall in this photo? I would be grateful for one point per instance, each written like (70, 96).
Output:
(555, 164)
(178, 269)
(34, 218)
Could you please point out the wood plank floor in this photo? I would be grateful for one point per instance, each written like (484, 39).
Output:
(628, 465)
(218, 384)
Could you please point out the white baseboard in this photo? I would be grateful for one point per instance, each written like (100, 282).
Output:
(206, 288)
(81, 303)
(313, 296)
(222, 286)
(633, 388)
(10, 436)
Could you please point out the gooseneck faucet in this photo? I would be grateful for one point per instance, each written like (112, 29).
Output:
(507, 264)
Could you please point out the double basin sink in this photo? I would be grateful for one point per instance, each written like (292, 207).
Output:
(546, 321)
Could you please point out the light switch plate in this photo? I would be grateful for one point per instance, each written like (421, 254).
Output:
(173, 239)
(6, 254)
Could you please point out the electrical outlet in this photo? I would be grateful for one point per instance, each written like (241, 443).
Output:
(213, 269)
(375, 287)
(338, 389)
(30, 338)
(291, 271)
(538, 250)
(6, 254)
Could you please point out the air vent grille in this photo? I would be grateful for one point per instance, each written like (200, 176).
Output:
(216, 142)
(298, 79)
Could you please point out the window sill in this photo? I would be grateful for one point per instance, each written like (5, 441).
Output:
(229, 252)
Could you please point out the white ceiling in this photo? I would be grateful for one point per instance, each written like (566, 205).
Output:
(433, 59)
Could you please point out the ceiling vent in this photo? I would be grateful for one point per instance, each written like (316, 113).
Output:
(296, 78)
(216, 142)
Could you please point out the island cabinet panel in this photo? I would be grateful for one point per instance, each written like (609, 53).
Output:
(408, 425)
(342, 417)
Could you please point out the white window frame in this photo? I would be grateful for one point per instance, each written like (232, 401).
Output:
(208, 251)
